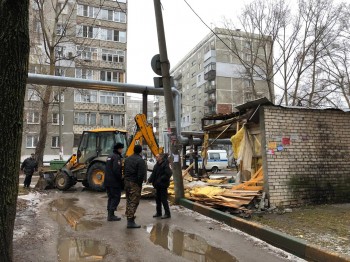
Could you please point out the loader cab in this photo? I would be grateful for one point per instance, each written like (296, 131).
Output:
(99, 142)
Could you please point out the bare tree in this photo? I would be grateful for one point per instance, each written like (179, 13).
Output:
(287, 47)
(14, 45)
(54, 30)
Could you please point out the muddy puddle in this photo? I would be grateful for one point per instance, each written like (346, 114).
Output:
(75, 249)
(189, 246)
(66, 212)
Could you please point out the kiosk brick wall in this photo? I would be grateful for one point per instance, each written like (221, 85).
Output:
(306, 155)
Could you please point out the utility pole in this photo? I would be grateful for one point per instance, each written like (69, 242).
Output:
(170, 114)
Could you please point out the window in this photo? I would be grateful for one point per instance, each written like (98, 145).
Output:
(85, 118)
(83, 73)
(59, 51)
(31, 141)
(85, 31)
(247, 44)
(199, 78)
(55, 96)
(60, 30)
(33, 118)
(247, 83)
(248, 57)
(59, 72)
(112, 76)
(33, 95)
(193, 108)
(101, 13)
(215, 156)
(194, 62)
(55, 117)
(211, 66)
(85, 96)
(194, 97)
(116, 120)
(119, 36)
(116, 56)
(87, 53)
(101, 33)
(119, 17)
(193, 74)
(112, 98)
(55, 142)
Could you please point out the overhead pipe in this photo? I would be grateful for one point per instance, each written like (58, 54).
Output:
(40, 79)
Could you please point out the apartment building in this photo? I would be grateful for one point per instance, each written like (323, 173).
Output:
(134, 107)
(88, 41)
(217, 75)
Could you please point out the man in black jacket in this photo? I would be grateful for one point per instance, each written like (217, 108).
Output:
(160, 179)
(134, 175)
(113, 180)
(29, 166)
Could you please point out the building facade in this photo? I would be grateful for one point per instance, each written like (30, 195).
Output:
(87, 40)
(134, 107)
(216, 75)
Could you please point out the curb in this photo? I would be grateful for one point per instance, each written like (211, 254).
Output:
(276, 238)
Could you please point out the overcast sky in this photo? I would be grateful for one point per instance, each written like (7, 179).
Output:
(182, 28)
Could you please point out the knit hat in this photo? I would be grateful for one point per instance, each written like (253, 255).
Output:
(137, 149)
(117, 146)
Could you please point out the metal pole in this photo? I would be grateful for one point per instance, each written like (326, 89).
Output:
(60, 123)
(165, 67)
(144, 103)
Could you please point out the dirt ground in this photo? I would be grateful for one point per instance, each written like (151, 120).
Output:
(327, 226)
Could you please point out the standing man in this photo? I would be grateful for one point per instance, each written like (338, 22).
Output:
(29, 166)
(160, 179)
(113, 180)
(134, 175)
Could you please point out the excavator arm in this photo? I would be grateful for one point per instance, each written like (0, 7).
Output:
(144, 133)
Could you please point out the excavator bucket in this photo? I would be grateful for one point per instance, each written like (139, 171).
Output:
(46, 180)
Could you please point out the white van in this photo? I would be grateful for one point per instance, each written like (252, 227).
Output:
(216, 160)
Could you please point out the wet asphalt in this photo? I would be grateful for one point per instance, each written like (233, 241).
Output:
(76, 230)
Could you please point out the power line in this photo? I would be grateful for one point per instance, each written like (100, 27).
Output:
(208, 26)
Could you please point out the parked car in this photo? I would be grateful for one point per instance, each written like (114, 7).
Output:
(150, 163)
(216, 160)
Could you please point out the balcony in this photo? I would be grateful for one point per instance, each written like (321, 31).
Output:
(209, 88)
(210, 75)
(178, 76)
(210, 102)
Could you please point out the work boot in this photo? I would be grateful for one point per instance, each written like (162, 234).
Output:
(132, 224)
(166, 216)
(157, 215)
(112, 217)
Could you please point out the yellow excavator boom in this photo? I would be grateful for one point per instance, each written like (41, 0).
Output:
(144, 133)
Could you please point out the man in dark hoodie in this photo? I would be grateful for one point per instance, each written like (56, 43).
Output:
(29, 166)
(134, 175)
(113, 180)
(160, 179)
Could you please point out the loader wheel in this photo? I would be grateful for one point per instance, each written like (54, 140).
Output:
(63, 181)
(85, 184)
(96, 176)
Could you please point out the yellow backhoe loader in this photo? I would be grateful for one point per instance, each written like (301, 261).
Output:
(88, 164)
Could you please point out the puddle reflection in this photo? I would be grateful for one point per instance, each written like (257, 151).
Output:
(81, 250)
(189, 246)
(65, 211)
